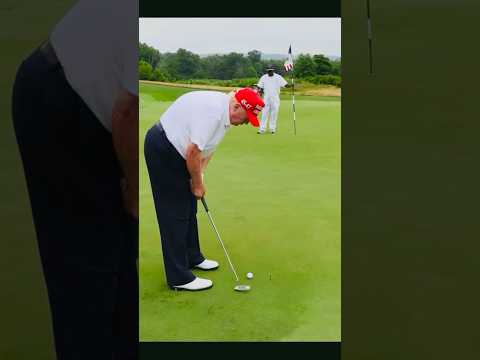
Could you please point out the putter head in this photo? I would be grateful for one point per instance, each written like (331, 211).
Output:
(242, 288)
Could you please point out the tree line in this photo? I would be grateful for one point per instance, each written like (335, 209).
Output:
(185, 65)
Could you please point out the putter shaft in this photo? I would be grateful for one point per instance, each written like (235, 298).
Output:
(220, 240)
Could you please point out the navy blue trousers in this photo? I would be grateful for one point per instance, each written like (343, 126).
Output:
(175, 205)
(87, 242)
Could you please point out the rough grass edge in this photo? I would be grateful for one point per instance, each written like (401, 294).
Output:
(324, 90)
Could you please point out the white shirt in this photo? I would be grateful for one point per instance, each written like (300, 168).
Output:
(95, 44)
(271, 85)
(197, 117)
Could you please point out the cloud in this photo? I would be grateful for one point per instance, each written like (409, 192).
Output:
(223, 35)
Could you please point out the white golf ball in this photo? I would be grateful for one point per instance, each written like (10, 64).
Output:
(249, 275)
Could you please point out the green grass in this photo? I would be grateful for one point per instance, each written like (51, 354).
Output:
(318, 80)
(276, 202)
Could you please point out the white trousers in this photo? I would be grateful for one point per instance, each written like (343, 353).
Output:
(270, 113)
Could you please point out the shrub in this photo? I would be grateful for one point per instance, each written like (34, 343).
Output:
(325, 80)
(144, 70)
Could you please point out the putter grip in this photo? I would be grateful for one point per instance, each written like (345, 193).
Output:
(204, 204)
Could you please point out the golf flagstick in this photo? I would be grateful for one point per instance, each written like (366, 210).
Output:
(219, 238)
(293, 104)
(289, 66)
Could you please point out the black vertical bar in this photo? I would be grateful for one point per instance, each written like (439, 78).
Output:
(369, 30)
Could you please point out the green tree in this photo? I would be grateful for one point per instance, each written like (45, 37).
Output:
(254, 56)
(211, 66)
(200, 74)
(149, 54)
(144, 70)
(234, 66)
(336, 67)
(322, 65)
(305, 66)
(165, 65)
(251, 72)
(185, 64)
(259, 69)
(160, 75)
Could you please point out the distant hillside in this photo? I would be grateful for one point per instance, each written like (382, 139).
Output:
(284, 57)
(274, 56)
(266, 56)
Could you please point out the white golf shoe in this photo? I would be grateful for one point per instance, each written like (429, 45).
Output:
(196, 285)
(207, 265)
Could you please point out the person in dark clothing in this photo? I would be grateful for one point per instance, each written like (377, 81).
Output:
(76, 125)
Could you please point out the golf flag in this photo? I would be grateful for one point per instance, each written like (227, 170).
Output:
(289, 62)
(289, 66)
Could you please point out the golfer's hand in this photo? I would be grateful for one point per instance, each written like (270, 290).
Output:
(198, 190)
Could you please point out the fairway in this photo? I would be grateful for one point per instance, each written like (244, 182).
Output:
(276, 202)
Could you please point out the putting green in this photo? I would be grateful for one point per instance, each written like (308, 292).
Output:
(276, 202)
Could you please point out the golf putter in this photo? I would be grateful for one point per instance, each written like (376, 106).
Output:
(238, 287)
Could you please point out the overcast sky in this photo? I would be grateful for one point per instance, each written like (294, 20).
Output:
(224, 35)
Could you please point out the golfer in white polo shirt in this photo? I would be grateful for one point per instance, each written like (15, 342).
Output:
(177, 150)
(270, 84)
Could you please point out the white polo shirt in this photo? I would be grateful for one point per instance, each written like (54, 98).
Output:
(197, 117)
(96, 44)
(271, 85)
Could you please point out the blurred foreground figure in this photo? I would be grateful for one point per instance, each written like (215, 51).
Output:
(75, 112)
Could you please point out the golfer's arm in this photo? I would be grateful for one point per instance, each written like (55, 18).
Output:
(205, 162)
(125, 137)
(194, 163)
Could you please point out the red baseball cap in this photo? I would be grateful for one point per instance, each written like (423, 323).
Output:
(251, 102)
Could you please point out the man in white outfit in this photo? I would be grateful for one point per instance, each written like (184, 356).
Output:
(270, 83)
